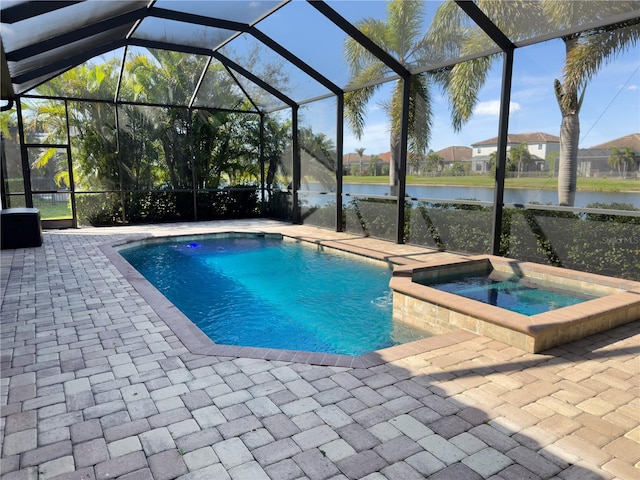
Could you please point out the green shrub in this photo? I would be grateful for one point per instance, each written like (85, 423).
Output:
(98, 209)
(166, 206)
(598, 243)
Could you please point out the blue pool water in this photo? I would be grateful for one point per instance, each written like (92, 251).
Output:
(510, 292)
(266, 292)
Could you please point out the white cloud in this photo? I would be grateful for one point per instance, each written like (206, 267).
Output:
(632, 87)
(492, 108)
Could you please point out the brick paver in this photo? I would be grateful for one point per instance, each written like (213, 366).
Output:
(96, 385)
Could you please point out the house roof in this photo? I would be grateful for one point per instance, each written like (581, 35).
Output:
(455, 153)
(385, 157)
(601, 153)
(628, 141)
(353, 157)
(518, 138)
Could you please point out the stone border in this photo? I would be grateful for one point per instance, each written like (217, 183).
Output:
(198, 343)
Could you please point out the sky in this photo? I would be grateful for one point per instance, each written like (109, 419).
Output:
(610, 110)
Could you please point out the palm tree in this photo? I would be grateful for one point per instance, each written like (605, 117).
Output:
(521, 157)
(621, 157)
(401, 36)
(372, 170)
(318, 154)
(360, 152)
(433, 163)
(277, 136)
(585, 53)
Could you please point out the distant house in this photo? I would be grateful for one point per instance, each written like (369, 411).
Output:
(454, 154)
(539, 144)
(353, 162)
(449, 156)
(594, 161)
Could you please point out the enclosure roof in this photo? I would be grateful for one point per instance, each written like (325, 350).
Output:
(287, 51)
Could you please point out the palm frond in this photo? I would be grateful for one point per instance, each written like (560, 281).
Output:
(466, 80)
(357, 56)
(519, 19)
(355, 108)
(595, 49)
(567, 14)
(420, 114)
(448, 30)
(44, 158)
(356, 101)
(403, 27)
(62, 178)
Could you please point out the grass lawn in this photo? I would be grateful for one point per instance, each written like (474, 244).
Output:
(53, 211)
(535, 183)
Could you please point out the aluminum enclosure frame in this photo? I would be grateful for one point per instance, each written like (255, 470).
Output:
(36, 76)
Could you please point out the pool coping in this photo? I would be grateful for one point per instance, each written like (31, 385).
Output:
(198, 343)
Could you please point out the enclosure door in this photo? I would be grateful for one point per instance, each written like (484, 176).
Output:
(52, 185)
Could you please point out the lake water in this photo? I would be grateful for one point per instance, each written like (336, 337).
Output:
(511, 195)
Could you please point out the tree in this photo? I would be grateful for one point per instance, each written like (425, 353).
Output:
(360, 152)
(167, 77)
(493, 161)
(414, 162)
(620, 158)
(373, 165)
(434, 163)
(550, 159)
(400, 35)
(220, 150)
(520, 156)
(318, 154)
(48, 123)
(585, 54)
(457, 169)
(94, 144)
(277, 137)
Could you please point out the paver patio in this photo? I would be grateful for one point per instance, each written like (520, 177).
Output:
(95, 385)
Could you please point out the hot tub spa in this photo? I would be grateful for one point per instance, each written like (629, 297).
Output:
(595, 303)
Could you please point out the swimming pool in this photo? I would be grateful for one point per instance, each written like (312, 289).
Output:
(269, 292)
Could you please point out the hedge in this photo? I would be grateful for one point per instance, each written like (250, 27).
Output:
(599, 243)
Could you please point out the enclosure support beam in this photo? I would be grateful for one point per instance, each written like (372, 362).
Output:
(339, 160)
(4, 203)
(221, 58)
(280, 50)
(76, 35)
(478, 16)
(26, 170)
(295, 208)
(64, 64)
(359, 37)
(501, 167)
(401, 163)
(72, 182)
(120, 173)
(192, 151)
(262, 178)
(19, 12)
